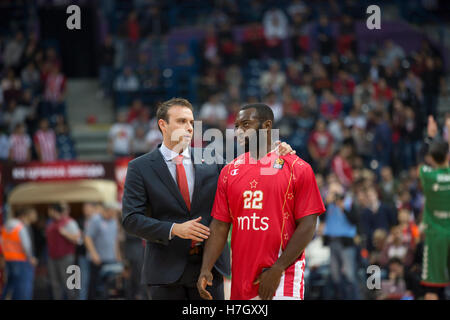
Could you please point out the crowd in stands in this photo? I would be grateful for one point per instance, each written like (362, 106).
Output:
(33, 119)
(359, 120)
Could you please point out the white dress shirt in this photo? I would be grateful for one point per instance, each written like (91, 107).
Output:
(169, 156)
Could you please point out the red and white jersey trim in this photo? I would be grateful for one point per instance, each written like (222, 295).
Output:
(292, 282)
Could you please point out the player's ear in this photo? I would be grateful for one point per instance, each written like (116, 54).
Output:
(267, 124)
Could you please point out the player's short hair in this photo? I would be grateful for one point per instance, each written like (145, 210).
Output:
(163, 108)
(263, 110)
(439, 150)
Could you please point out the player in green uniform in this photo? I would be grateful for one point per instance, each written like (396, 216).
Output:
(435, 181)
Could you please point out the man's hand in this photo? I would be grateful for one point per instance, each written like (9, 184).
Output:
(268, 282)
(96, 260)
(432, 128)
(191, 229)
(34, 262)
(204, 279)
(283, 148)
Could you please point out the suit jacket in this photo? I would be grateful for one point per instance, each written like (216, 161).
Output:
(152, 202)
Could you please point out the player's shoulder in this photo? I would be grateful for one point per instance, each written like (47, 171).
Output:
(295, 162)
(234, 163)
(425, 169)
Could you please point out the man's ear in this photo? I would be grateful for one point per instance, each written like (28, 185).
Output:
(161, 124)
(267, 124)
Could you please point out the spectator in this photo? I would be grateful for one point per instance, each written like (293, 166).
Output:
(363, 93)
(254, 41)
(318, 256)
(394, 287)
(127, 81)
(432, 79)
(13, 50)
(214, 112)
(410, 231)
(379, 243)
(396, 247)
(139, 144)
(320, 146)
(135, 111)
(4, 144)
(31, 79)
(31, 49)
(63, 234)
(340, 231)
(341, 165)
(154, 23)
(54, 93)
(89, 210)
(375, 216)
(142, 121)
(103, 248)
(388, 184)
(45, 142)
(11, 86)
(15, 114)
(106, 65)
(154, 136)
(324, 36)
(64, 142)
(273, 79)
(382, 141)
(19, 145)
(391, 52)
(330, 107)
(276, 31)
(133, 28)
(19, 256)
(119, 136)
(183, 57)
(274, 104)
(347, 37)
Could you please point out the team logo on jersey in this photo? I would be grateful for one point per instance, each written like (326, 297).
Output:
(279, 163)
(234, 172)
(238, 162)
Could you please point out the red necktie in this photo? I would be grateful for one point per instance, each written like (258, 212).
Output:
(182, 181)
(183, 185)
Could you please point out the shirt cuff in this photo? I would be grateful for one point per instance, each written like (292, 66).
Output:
(170, 233)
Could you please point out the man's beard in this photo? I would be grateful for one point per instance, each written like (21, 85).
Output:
(247, 140)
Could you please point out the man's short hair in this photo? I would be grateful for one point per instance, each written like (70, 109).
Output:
(58, 207)
(263, 110)
(439, 150)
(23, 211)
(164, 107)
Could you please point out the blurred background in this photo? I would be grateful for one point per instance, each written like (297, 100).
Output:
(77, 105)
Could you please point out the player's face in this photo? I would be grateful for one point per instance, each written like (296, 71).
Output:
(245, 121)
(180, 126)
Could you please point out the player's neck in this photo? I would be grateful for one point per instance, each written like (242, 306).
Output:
(261, 153)
(444, 165)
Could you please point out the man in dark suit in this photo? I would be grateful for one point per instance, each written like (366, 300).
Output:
(167, 201)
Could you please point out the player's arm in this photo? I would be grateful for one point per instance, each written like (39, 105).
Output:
(303, 234)
(219, 228)
(213, 248)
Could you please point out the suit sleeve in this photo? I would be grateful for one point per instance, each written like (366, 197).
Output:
(134, 208)
(307, 195)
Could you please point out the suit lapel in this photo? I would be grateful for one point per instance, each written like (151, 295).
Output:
(160, 167)
(198, 173)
